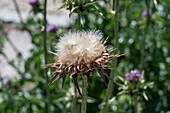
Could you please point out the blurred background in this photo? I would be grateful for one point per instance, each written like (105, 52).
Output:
(22, 79)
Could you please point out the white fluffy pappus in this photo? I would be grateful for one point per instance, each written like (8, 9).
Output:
(74, 48)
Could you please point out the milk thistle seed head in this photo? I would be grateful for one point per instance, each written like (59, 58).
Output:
(81, 53)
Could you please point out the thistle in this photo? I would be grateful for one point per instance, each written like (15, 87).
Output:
(133, 76)
(32, 2)
(81, 53)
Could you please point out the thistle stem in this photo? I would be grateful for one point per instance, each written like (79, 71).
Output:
(79, 21)
(144, 36)
(74, 108)
(18, 12)
(84, 84)
(135, 103)
(113, 72)
(84, 90)
(74, 101)
(20, 17)
(45, 54)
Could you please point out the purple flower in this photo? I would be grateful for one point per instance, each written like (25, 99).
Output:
(5, 80)
(32, 2)
(134, 75)
(70, 92)
(144, 13)
(51, 28)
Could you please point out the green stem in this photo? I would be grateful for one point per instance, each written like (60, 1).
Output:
(18, 11)
(79, 21)
(20, 17)
(74, 108)
(144, 36)
(45, 55)
(74, 101)
(113, 72)
(84, 84)
(135, 103)
(84, 90)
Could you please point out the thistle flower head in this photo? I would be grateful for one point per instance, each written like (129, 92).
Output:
(144, 13)
(32, 2)
(51, 28)
(81, 53)
(133, 76)
(5, 80)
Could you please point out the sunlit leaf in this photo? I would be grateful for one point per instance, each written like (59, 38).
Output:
(145, 96)
(72, 10)
(89, 4)
(65, 5)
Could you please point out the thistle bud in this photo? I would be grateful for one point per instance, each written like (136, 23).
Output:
(32, 2)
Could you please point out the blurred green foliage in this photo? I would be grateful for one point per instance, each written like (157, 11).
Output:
(32, 99)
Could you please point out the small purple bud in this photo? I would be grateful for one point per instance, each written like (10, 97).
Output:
(51, 28)
(144, 13)
(127, 76)
(32, 2)
(5, 80)
(134, 75)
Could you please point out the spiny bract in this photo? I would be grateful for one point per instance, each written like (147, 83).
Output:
(80, 53)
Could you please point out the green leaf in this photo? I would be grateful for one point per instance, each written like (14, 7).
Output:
(123, 92)
(90, 99)
(68, 105)
(65, 5)
(89, 4)
(145, 96)
(112, 100)
(121, 78)
(35, 37)
(101, 14)
(72, 10)
(70, 2)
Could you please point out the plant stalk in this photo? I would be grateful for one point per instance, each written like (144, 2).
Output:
(74, 101)
(18, 12)
(74, 108)
(84, 83)
(84, 90)
(113, 72)
(79, 21)
(20, 17)
(45, 54)
(135, 103)
(144, 36)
